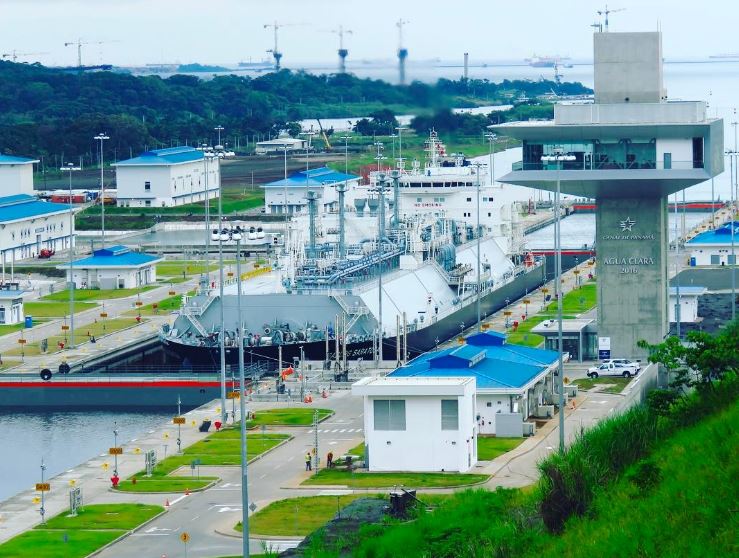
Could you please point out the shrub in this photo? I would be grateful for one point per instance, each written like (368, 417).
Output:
(569, 480)
(646, 475)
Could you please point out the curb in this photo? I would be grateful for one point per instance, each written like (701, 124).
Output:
(233, 533)
(277, 426)
(127, 534)
(365, 488)
(201, 489)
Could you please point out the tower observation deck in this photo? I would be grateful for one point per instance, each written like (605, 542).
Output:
(632, 148)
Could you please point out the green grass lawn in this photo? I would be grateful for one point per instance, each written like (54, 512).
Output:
(95, 294)
(489, 447)
(5, 329)
(166, 305)
(175, 268)
(48, 309)
(219, 448)
(357, 450)
(288, 417)
(576, 301)
(386, 480)
(82, 334)
(104, 516)
(234, 200)
(616, 384)
(298, 516)
(77, 537)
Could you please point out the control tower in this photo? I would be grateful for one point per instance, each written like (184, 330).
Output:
(628, 150)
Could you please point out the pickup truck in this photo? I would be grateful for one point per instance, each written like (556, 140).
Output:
(626, 369)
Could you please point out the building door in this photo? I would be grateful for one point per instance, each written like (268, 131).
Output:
(667, 161)
(572, 346)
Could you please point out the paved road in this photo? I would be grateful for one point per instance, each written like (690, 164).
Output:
(219, 508)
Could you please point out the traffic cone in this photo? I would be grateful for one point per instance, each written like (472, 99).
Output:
(166, 504)
(324, 394)
(187, 492)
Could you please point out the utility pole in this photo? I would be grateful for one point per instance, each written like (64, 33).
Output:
(477, 234)
(315, 441)
(70, 168)
(101, 138)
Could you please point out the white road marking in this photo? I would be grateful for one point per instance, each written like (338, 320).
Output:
(342, 430)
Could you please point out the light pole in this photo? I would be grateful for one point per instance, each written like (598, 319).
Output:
(70, 168)
(101, 137)
(42, 509)
(179, 425)
(236, 235)
(477, 233)
(400, 146)
(381, 182)
(677, 272)
(219, 233)
(284, 201)
(207, 160)
(491, 139)
(309, 134)
(379, 157)
(558, 157)
(732, 257)
(219, 129)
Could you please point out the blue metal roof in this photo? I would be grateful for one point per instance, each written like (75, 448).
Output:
(23, 206)
(720, 235)
(693, 290)
(494, 364)
(311, 177)
(168, 156)
(114, 256)
(12, 160)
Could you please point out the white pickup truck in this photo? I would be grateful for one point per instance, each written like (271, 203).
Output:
(615, 367)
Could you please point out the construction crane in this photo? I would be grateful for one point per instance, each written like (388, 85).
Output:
(402, 52)
(79, 44)
(276, 54)
(14, 54)
(604, 12)
(343, 53)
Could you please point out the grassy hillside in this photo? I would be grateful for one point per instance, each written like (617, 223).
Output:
(639, 484)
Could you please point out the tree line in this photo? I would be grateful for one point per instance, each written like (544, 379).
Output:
(47, 112)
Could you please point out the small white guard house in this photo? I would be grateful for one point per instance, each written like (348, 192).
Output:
(688, 303)
(166, 178)
(16, 175)
(115, 267)
(11, 304)
(419, 424)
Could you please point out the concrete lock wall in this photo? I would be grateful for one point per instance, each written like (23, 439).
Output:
(632, 272)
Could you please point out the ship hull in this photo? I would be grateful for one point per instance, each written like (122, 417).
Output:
(419, 341)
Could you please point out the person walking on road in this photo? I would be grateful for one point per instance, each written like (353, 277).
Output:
(307, 462)
(330, 459)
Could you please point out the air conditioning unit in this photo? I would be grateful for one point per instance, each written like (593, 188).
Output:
(529, 428)
(571, 391)
(545, 411)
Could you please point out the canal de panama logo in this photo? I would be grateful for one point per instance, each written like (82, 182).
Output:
(627, 224)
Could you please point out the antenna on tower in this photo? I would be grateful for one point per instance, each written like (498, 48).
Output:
(604, 12)
(402, 52)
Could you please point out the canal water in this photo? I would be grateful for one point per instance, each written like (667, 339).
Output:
(63, 439)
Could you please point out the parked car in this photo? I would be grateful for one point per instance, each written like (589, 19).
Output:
(614, 369)
(621, 362)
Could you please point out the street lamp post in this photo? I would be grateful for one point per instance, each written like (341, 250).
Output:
(477, 234)
(70, 168)
(115, 445)
(400, 146)
(236, 235)
(381, 183)
(222, 336)
(219, 129)
(207, 160)
(732, 258)
(558, 157)
(101, 137)
(491, 138)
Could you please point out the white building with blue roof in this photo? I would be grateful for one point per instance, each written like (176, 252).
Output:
(167, 178)
(291, 194)
(714, 247)
(513, 381)
(29, 225)
(114, 267)
(16, 175)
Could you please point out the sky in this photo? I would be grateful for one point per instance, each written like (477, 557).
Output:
(137, 32)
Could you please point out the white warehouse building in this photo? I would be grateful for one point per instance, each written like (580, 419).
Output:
(167, 178)
(419, 424)
(114, 267)
(16, 175)
(28, 225)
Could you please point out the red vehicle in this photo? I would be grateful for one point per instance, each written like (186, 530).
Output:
(45, 253)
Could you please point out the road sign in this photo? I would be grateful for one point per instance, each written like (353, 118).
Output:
(150, 460)
(43, 486)
(178, 420)
(115, 451)
(185, 537)
(252, 507)
(604, 347)
(232, 395)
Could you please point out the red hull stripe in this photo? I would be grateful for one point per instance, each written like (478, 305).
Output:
(117, 384)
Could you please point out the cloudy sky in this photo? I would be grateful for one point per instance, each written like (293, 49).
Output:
(226, 31)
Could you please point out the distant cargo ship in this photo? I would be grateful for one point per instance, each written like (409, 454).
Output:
(730, 55)
(548, 61)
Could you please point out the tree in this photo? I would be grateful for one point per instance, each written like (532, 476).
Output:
(702, 360)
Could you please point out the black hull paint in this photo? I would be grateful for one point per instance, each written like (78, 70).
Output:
(419, 341)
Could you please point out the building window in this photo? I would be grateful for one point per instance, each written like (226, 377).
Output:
(449, 414)
(147, 186)
(147, 203)
(419, 200)
(389, 414)
(469, 199)
(490, 404)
